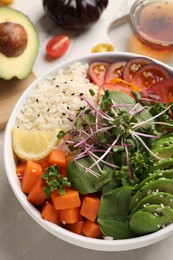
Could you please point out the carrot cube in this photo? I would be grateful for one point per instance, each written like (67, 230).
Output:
(49, 213)
(89, 208)
(36, 195)
(70, 200)
(31, 174)
(69, 216)
(76, 227)
(92, 229)
(57, 157)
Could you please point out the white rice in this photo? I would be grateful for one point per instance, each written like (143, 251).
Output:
(54, 102)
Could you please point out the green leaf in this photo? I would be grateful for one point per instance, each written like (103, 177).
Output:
(115, 228)
(113, 216)
(61, 134)
(82, 180)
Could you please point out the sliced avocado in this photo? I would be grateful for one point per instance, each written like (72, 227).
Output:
(151, 188)
(157, 175)
(17, 63)
(164, 146)
(157, 198)
(163, 164)
(146, 221)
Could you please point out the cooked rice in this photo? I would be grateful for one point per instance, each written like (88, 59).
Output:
(54, 102)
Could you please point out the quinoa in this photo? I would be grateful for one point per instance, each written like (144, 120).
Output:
(55, 101)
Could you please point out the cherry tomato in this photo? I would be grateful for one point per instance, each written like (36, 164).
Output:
(103, 47)
(97, 72)
(161, 91)
(115, 71)
(149, 75)
(57, 46)
(133, 66)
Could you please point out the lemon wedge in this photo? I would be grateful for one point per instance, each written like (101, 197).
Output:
(33, 144)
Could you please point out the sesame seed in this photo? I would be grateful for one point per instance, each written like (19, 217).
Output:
(71, 120)
(162, 206)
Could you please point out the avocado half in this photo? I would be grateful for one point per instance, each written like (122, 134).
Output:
(18, 66)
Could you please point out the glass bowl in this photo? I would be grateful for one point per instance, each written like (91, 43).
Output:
(152, 23)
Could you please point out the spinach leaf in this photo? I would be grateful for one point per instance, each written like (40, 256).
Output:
(82, 180)
(123, 98)
(113, 216)
(108, 180)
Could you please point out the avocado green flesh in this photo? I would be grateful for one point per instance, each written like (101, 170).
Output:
(165, 185)
(164, 146)
(20, 66)
(148, 221)
(157, 175)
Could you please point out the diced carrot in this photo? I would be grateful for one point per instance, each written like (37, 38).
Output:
(69, 216)
(36, 195)
(76, 227)
(49, 213)
(63, 169)
(32, 173)
(89, 208)
(44, 165)
(57, 157)
(91, 229)
(68, 159)
(20, 169)
(70, 200)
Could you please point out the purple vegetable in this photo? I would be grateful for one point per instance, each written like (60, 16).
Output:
(74, 14)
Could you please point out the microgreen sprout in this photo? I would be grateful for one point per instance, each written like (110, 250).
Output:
(107, 128)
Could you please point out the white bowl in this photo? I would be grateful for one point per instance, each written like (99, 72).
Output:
(10, 166)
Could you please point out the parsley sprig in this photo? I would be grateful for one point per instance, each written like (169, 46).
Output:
(54, 181)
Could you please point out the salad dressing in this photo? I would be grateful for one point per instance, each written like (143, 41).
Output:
(153, 23)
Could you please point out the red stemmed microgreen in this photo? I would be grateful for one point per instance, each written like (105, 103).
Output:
(121, 129)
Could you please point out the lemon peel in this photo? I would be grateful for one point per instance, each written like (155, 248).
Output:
(33, 144)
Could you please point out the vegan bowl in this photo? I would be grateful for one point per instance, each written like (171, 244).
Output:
(88, 151)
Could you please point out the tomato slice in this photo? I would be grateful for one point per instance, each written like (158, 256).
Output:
(161, 91)
(122, 87)
(57, 46)
(133, 66)
(149, 75)
(115, 71)
(97, 72)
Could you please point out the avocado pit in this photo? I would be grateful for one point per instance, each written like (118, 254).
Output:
(13, 39)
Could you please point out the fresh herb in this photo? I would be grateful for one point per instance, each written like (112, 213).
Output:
(54, 181)
(119, 126)
(61, 134)
(163, 113)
